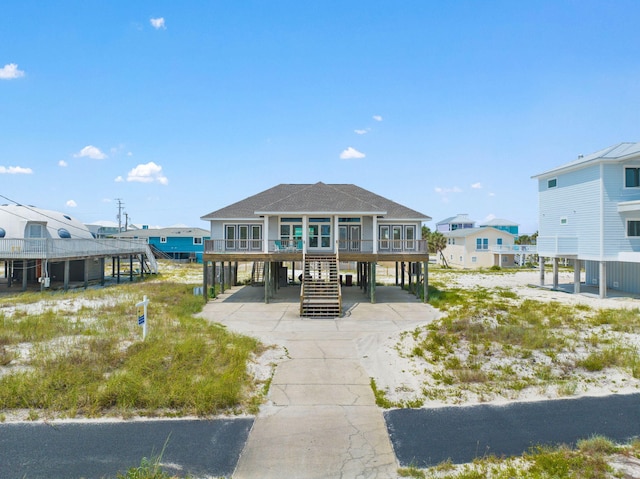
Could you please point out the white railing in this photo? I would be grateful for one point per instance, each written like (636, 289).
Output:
(220, 246)
(515, 249)
(69, 248)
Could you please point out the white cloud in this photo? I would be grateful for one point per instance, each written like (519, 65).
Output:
(492, 194)
(490, 217)
(119, 179)
(158, 23)
(10, 71)
(362, 132)
(63, 163)
(15, 170)
(148, 173)
(92, 152)
(446, 192)
(71, 204)
(351, 153)
(377, 117)
(477, 186)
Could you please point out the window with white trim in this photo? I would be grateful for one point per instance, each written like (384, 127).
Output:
(633, 228)
(163, 239)
(632, 177)
(552, 183)
(197, 240)
(482, 244)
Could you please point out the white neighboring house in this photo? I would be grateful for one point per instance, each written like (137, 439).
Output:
(470, 248)
(460, 221)
(590, 213)
(41, 246)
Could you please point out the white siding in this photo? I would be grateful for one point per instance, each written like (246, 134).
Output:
(620, 276)
(576, 198)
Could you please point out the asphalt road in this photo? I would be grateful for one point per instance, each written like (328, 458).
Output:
(425, 437)
(201, 448)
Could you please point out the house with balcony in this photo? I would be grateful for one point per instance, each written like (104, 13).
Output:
(176, 243)
(589, 212)
(43, 246)
(318, 225)
(502, 224)
(484, 247)
(453, 223)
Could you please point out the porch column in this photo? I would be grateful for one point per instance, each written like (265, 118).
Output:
(305, 234)
(603, 279)
(410, 286)
(576, 276)
(25, 269)
(131, 268)
(541, 266)
(336, 234)
(372, 281)
(396, 273)
(66, 275)
(102, 271)
(118, 275)
(86, 273)
(265, 235)
(402, 274)
(418, 274)
(267, 279)
(213, 279)
(375, 234)
(555, 273)
(221, 277)
(205, 266)
(425, 283)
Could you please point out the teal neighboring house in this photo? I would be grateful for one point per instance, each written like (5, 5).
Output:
(178, 243)
(503, 225)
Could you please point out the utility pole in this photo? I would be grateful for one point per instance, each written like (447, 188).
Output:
(120, 206)
(126, 221)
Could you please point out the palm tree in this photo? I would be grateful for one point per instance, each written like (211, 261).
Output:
(437, 243)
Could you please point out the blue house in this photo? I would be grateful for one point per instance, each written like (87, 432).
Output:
(503, 225)
(590, 213)
(186, 244)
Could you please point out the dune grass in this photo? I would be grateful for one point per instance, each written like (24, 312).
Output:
(590, 459)
(91, 361)
(537, 344)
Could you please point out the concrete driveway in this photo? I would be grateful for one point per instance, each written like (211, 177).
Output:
(320, 420)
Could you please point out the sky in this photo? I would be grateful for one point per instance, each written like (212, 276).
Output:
(175, 109)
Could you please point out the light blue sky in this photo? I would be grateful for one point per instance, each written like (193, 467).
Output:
(180, 108)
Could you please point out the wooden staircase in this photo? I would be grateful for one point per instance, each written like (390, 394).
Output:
(320, 294)
(257, 273)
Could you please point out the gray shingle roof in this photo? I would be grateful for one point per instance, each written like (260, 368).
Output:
(315, 198)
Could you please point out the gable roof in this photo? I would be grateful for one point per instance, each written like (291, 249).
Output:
(459, 218)
(611, 154)
(499, 222)
(464, 232)
(315, 198)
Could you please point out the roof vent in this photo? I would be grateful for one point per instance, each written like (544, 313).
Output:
(580, 157)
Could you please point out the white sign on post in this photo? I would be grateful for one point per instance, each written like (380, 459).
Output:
(142, 315)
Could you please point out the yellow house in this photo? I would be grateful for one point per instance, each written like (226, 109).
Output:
(484, 247)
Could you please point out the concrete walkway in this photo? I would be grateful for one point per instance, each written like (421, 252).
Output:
(321, 420)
